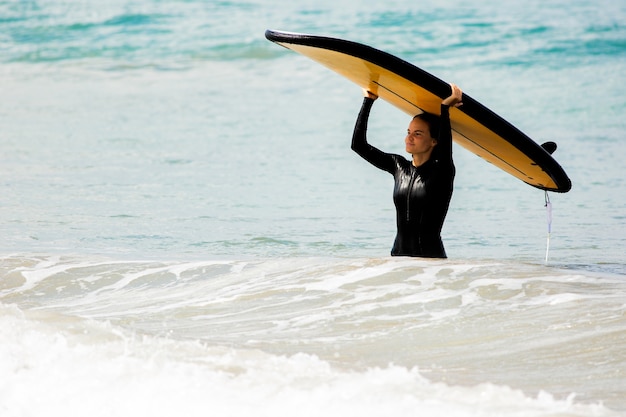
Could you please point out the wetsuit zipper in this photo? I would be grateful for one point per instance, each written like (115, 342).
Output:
(408, 195)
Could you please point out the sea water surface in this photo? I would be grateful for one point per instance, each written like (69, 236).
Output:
(184, 228)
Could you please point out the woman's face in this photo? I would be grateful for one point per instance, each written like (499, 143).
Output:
(418, 139)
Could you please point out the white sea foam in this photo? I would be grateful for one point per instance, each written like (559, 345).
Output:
(193, 235)
(60, 366)
(381, 334)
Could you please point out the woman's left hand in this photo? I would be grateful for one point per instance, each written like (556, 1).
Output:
(455, 98)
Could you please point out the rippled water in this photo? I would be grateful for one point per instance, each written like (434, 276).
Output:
(184, 228)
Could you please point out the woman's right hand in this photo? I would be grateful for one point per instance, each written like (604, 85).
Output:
(369, 94)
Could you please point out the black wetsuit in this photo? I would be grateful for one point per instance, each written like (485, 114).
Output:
(421, 194)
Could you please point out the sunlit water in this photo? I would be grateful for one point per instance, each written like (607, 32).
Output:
(185, 230)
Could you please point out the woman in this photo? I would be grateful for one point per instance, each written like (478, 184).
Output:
(423, 185)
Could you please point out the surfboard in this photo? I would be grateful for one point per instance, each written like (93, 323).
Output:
(414, 91)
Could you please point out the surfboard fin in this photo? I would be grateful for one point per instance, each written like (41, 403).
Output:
(550, 147)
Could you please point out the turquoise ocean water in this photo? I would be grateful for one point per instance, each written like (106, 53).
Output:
(184, 228)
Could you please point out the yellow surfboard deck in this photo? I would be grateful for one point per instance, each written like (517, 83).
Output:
(414, 91)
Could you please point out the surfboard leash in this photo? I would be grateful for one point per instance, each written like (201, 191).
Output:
(549, 218)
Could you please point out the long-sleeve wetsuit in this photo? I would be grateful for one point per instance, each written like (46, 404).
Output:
(421, 194)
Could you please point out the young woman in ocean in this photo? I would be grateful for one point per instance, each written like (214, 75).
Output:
(423, 185)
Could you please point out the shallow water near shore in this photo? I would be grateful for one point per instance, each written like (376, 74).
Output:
(184, 228)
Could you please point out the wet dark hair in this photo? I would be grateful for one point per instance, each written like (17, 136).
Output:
(432, 120)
